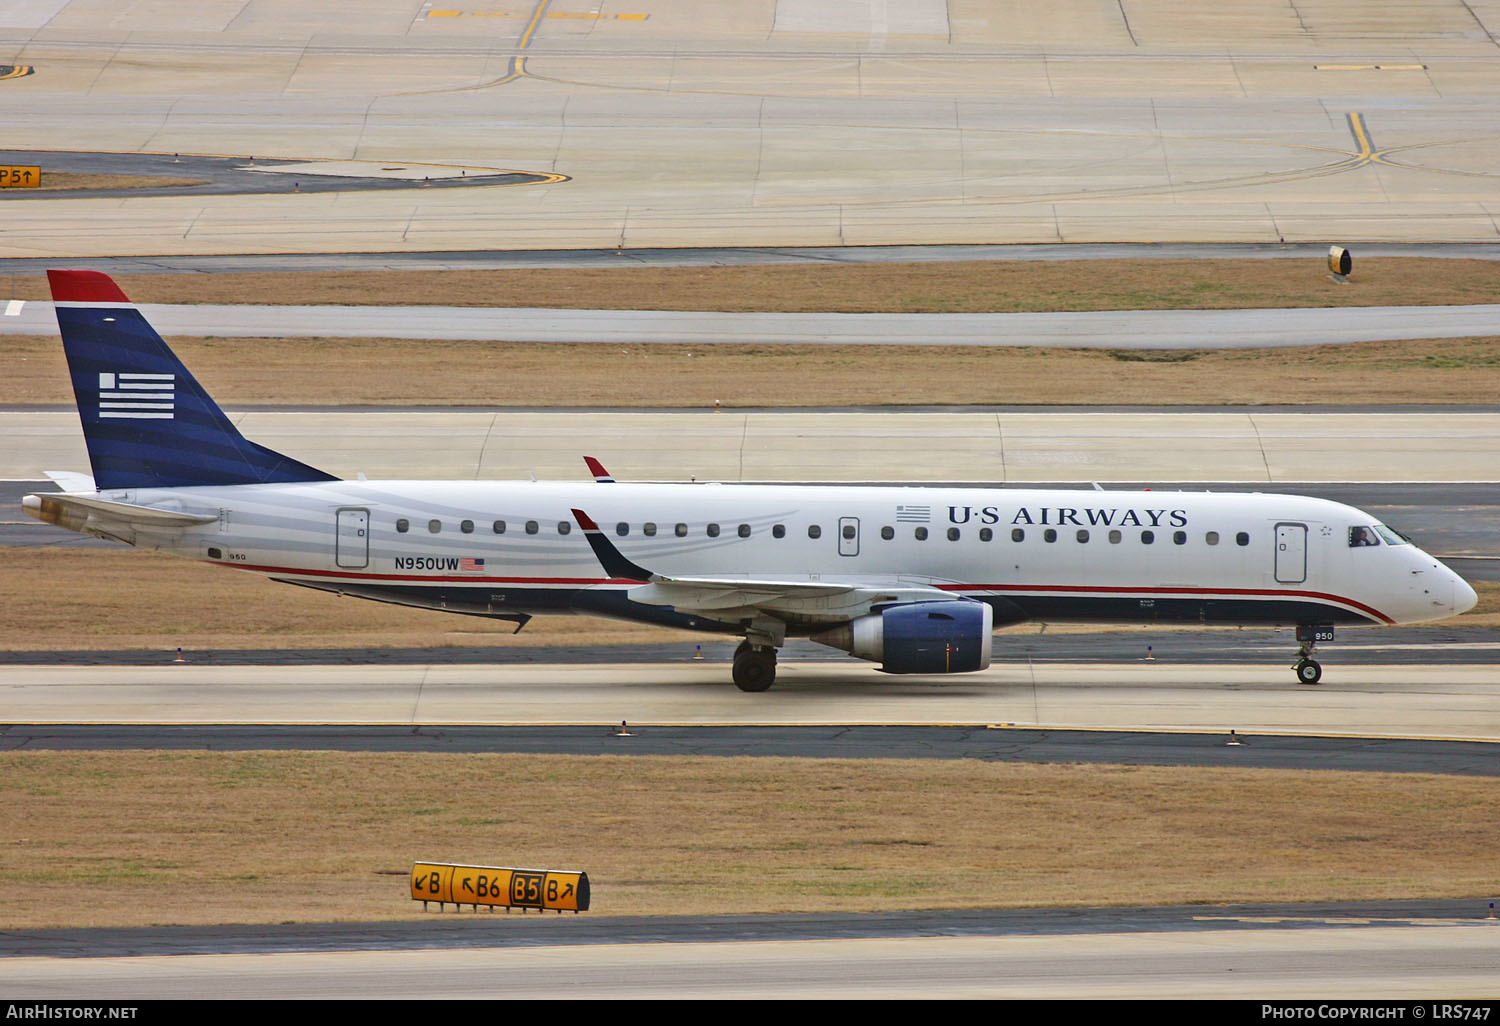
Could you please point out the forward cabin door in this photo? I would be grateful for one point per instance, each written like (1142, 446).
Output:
(352, 546)
(1291, 553)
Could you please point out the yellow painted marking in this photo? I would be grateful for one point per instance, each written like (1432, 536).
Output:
(20, 177)
(17, 71)
(560, 15)
(1369, 67)
(1361, 136)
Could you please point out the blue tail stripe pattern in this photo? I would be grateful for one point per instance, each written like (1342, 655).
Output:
(146, 420)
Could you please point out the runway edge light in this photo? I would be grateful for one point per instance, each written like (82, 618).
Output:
(495, 886)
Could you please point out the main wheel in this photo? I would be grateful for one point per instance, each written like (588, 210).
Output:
(1309, 672)
(755, 669)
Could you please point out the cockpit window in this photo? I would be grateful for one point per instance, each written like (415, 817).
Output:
(1391, 537)
(1362, 536)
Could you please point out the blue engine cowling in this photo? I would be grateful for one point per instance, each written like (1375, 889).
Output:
(921, 637)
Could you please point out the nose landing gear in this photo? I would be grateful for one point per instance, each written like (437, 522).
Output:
(1309, 670)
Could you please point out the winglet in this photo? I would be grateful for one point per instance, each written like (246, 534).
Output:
(84, 287)
(597, 469)
(615, 564)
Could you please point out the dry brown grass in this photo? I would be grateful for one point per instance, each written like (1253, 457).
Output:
(194, 837)
(93, 599)
(99, 599)
(380, 371)
(69, 180)
(395, 372)
(960, 286)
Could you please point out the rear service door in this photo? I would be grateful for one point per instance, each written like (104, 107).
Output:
(352, 549)
(1291, 553)
(848, 536)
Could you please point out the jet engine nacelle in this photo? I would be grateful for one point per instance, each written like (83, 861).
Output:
(920, 637)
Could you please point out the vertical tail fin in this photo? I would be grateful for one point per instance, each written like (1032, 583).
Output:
(147, 422)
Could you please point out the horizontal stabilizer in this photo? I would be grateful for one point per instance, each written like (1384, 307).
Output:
(74, 511)
(71, 480)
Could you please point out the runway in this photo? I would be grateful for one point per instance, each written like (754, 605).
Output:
(989, 743)
(999, 446)
(1434, 700)
(1108, 329)
(1436, 959)
(810, 124)
(741, 256)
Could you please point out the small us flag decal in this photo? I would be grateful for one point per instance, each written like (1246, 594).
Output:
(913, 514)
(471, 566)
(128, 395)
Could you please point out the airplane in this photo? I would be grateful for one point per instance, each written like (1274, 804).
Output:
(915, 579)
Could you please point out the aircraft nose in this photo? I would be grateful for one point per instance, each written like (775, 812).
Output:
(1464, 596)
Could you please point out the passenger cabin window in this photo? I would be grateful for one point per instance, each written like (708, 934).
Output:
(778, 531)
(532, 527)
(953, 534)
(1147, 537)
(498, 527)
(921, 534)
(403, 525)
(985, 534)
(434, 526)
(622, 529)
(887, 533)
(563, 527)
(1016, 534)
(1083, 537)
(1049, 535)
(1114, 537)
(648, 529)
(467, 527)
(1360, 537)
(1242, 539)
(713, 530)
(814, 531)
(1212, 537)
(680, 530)
(1179, 537)
(744, 531)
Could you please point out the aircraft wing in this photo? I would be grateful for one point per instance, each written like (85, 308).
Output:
(822, 601)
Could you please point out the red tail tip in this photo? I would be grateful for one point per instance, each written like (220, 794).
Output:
(84, 287)
(584, 521)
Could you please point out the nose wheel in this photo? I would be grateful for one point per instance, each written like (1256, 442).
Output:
(1309, 670)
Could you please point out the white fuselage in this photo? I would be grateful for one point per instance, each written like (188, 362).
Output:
(496, 548)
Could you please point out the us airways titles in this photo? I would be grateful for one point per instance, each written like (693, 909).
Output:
(1059, 516)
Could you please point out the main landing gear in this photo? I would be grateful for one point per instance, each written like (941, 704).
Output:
(754, 667)
(1309, 670)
